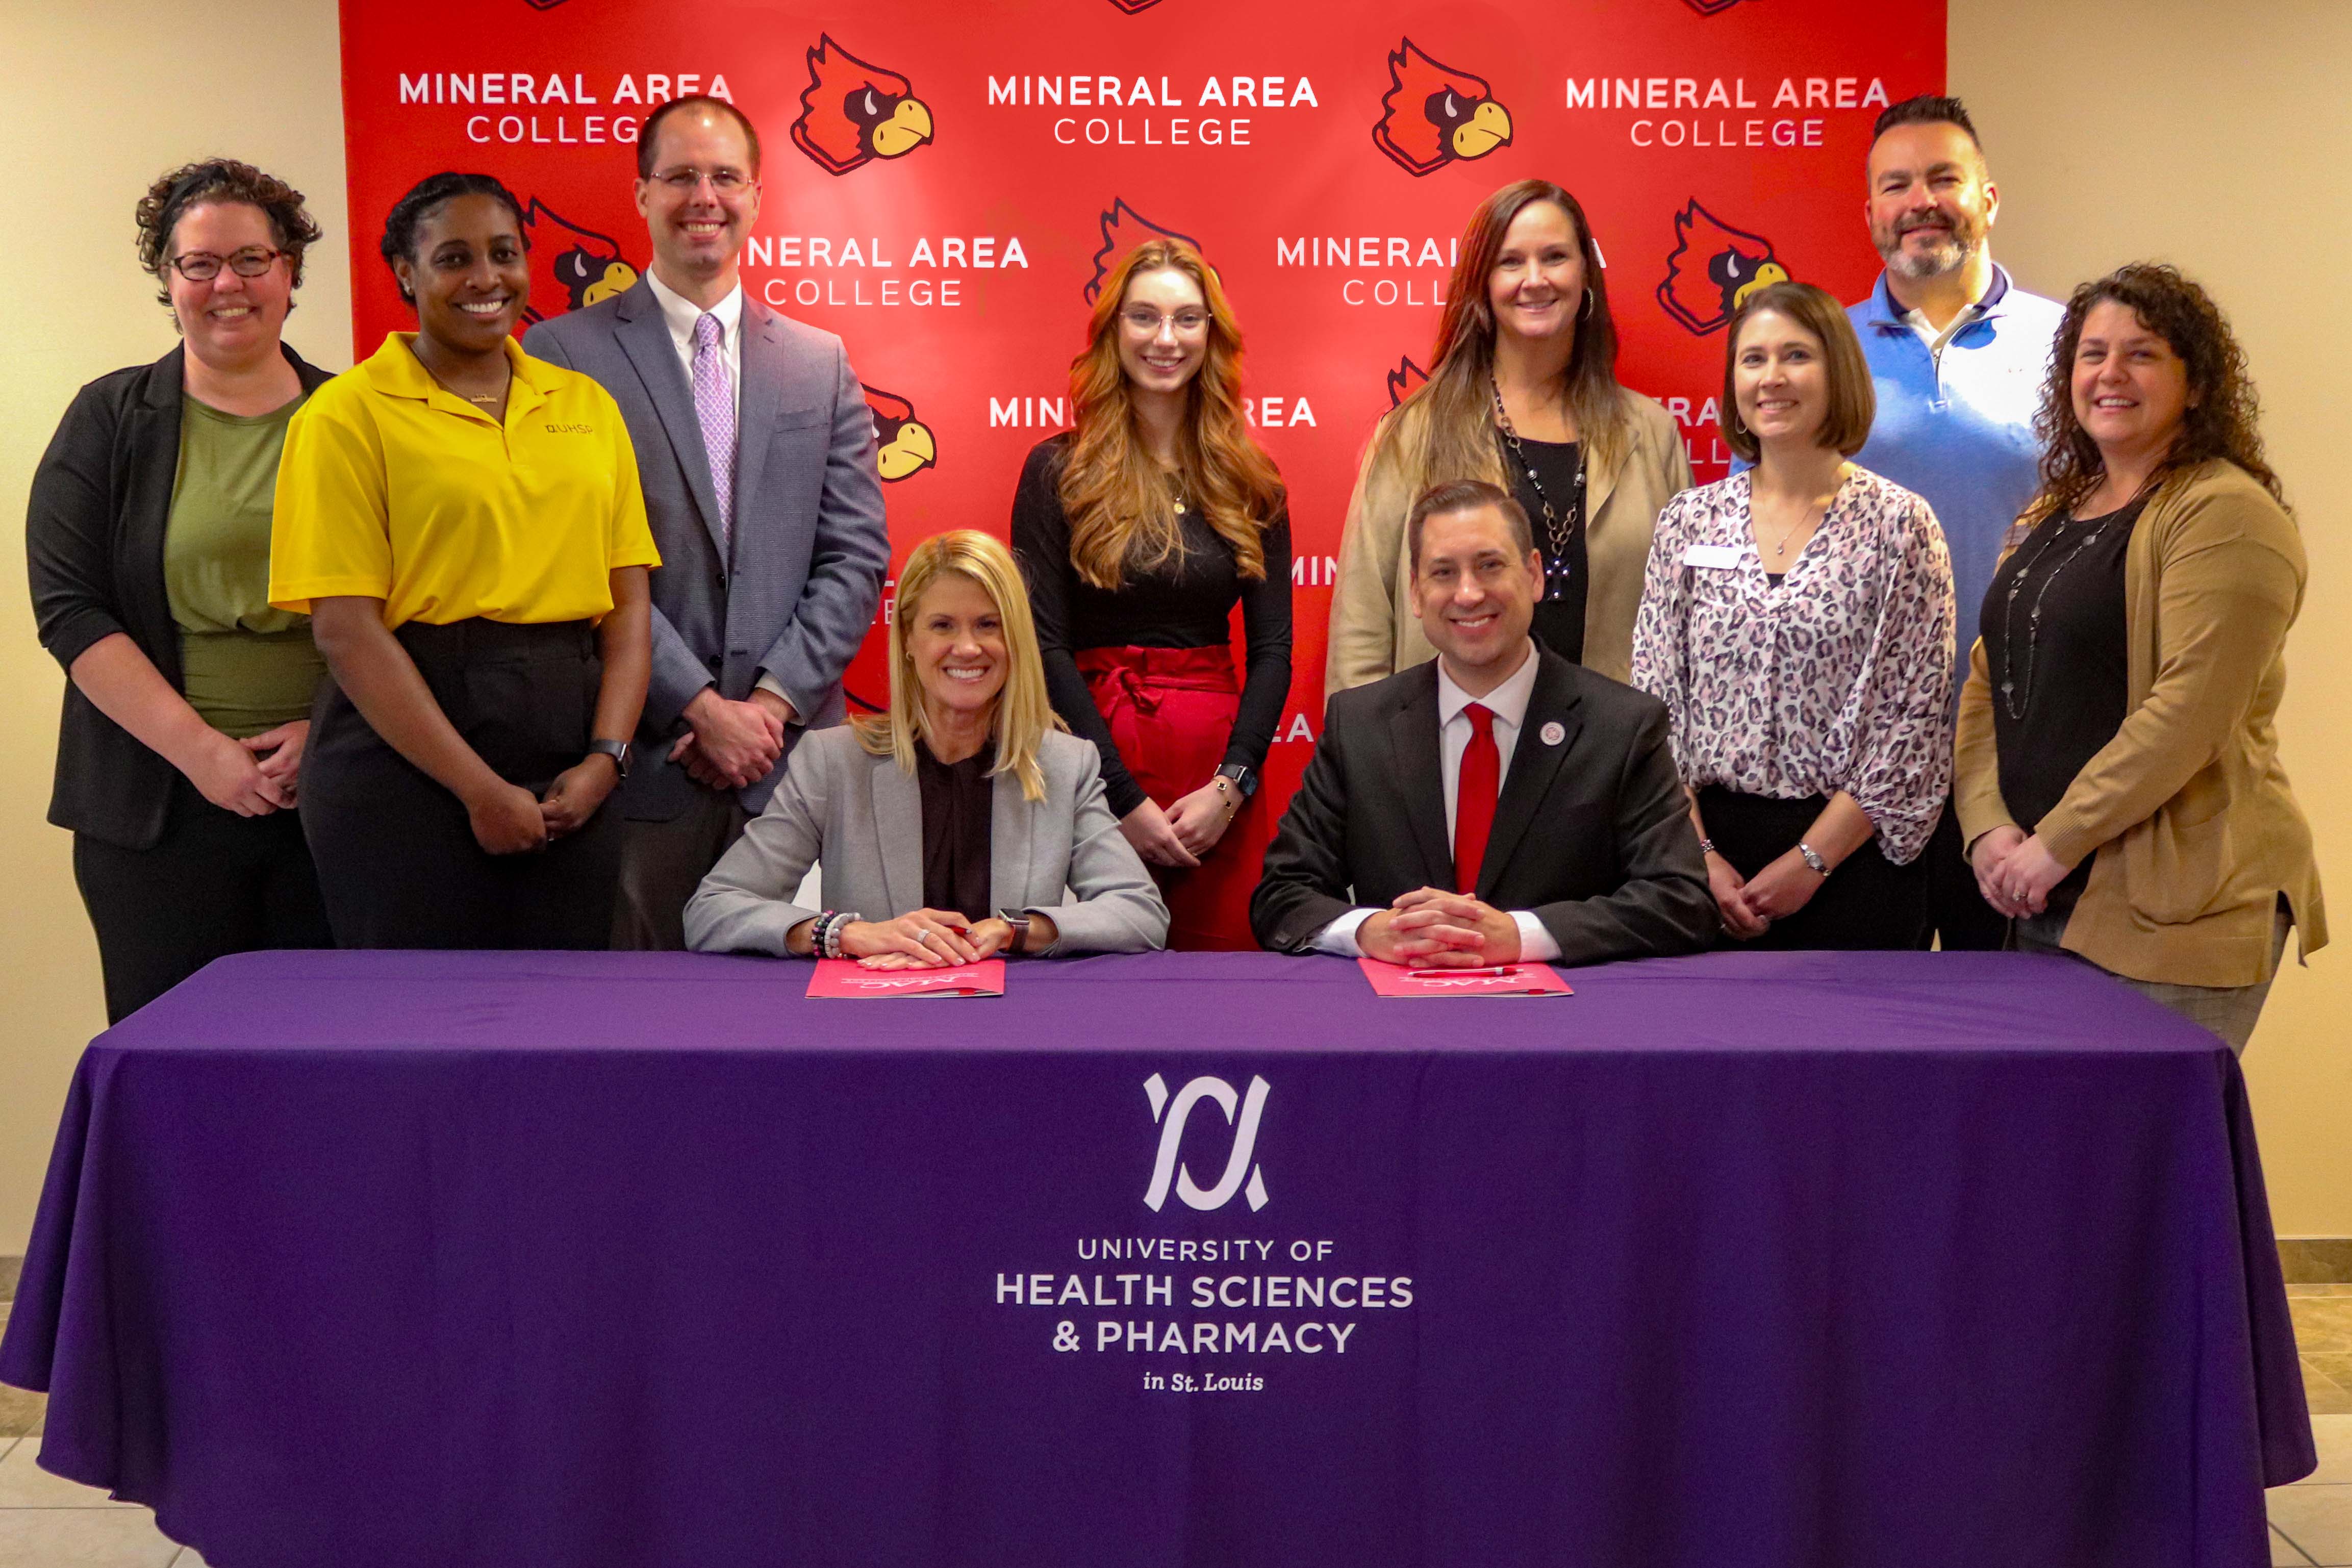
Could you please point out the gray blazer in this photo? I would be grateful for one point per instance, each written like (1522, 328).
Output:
(862, 817)
(810, 547)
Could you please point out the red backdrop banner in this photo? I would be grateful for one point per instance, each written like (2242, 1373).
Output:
(946, 183)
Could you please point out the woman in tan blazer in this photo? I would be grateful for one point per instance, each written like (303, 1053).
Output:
(2121, 701)
(1522, 394)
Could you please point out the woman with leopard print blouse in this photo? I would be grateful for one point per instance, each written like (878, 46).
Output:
(1797, 622)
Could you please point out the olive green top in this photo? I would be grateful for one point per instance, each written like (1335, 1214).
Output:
(244, 667)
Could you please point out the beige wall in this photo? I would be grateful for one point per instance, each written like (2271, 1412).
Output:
(2119, 129)
(99, 99)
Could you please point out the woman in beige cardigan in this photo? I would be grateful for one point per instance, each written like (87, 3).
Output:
(2123, 695)
(1522, 394)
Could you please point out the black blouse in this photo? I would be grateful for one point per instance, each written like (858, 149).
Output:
(1560, 614)
(2055, 648)
(959, 800)
(1186, 602)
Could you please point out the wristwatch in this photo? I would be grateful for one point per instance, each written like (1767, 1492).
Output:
(1244, 778)
(621, 752)
(1812, 857)
(1019, 920)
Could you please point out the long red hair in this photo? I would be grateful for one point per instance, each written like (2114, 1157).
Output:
(1115, 496)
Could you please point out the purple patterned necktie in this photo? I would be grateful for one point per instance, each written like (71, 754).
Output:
(714, 405)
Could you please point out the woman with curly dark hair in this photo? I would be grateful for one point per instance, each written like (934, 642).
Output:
(188, 697)
(2119, 781)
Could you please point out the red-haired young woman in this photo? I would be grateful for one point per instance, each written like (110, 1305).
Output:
(1139, 531)
(1522, 392)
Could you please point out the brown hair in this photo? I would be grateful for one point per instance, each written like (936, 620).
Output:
(1120, 512)
(1455, 407)
(1466, 495)
(2223, 417)
(218, 180)
(1853, 403)
(651, 131)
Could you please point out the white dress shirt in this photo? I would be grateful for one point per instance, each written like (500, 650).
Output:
(680, 314)
(1508, 704)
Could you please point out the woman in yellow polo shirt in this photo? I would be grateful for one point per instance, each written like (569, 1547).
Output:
(464, 526)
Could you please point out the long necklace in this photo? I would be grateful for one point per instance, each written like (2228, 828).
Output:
(2033, 615)
(1560, 528)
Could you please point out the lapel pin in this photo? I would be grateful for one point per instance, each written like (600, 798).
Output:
(1553, 734)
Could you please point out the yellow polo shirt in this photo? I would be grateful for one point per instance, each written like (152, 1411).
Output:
(393, 487)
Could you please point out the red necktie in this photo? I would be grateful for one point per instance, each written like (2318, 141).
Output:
(1474, 798)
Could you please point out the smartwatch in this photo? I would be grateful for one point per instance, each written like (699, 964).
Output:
(1019, 920)
(1244, 778)
(621, 752)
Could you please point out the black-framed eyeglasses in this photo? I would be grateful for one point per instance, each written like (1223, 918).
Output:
(203, 265)
(726, 182)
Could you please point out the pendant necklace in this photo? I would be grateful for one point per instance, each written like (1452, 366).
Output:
(1560, 528)
(2009, 678)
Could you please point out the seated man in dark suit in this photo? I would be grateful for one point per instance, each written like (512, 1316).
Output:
(1497, 804)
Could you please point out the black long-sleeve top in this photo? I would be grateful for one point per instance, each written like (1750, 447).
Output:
(1184, 603)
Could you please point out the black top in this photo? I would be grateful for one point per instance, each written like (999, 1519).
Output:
(1186, 602)
(1560, 614)
(958, 800)
(94, 532)
(2054, 647)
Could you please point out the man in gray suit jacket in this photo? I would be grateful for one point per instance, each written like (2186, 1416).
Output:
(757, 454)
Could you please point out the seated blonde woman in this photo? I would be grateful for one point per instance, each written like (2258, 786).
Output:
(962, 825)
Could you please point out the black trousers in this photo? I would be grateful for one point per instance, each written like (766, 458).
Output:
(1867, 902)
(215, 883)
(396, 855)
(1959, 919)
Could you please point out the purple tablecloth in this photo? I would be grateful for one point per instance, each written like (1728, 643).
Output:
(1813, 1261)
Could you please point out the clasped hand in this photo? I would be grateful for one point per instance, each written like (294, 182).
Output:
(1749, 905)
(933, 939)
(2016, 873)
(254, 776)
(1430, 928)
(732, 745)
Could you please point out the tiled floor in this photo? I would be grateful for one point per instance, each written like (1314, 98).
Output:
(46, 1522)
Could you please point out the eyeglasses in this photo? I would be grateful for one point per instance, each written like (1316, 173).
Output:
(203, 265)
(726, 182)
(1145, 322)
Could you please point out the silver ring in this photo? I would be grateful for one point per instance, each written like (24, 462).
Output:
(924, 936)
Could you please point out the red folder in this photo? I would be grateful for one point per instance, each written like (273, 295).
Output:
(1503, 980)
(845, 977)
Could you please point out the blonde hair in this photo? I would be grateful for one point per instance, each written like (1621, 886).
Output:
(1024, 713)
(1117, 500)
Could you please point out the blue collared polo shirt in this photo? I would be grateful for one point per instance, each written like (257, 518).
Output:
(1957, 427)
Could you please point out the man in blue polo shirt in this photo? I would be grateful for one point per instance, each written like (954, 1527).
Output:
(1957, 355)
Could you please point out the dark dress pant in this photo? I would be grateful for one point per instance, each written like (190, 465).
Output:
(1867, 902)
(397, 860)
(214, 884)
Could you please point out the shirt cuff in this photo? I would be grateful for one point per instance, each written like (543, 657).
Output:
(1536, 945)
(769, 684)
(1339, 938)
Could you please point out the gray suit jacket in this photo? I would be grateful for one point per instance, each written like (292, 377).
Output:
(810, 547)
(862, 816)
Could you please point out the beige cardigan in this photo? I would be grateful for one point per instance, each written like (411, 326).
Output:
(1373, 630)
(2188, 809)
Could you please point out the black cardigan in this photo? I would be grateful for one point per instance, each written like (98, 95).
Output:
(94, 556)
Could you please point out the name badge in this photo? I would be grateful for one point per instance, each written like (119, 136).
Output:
(1720, 557)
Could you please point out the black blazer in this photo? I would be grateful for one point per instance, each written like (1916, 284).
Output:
(1593, 834)
(94, 556)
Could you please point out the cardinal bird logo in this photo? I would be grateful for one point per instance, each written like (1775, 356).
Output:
(1713, 268)
(1434, 115)
(1123, 228)
(852, 112)
(1404, 381)
(584, 272)
(906, 441)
